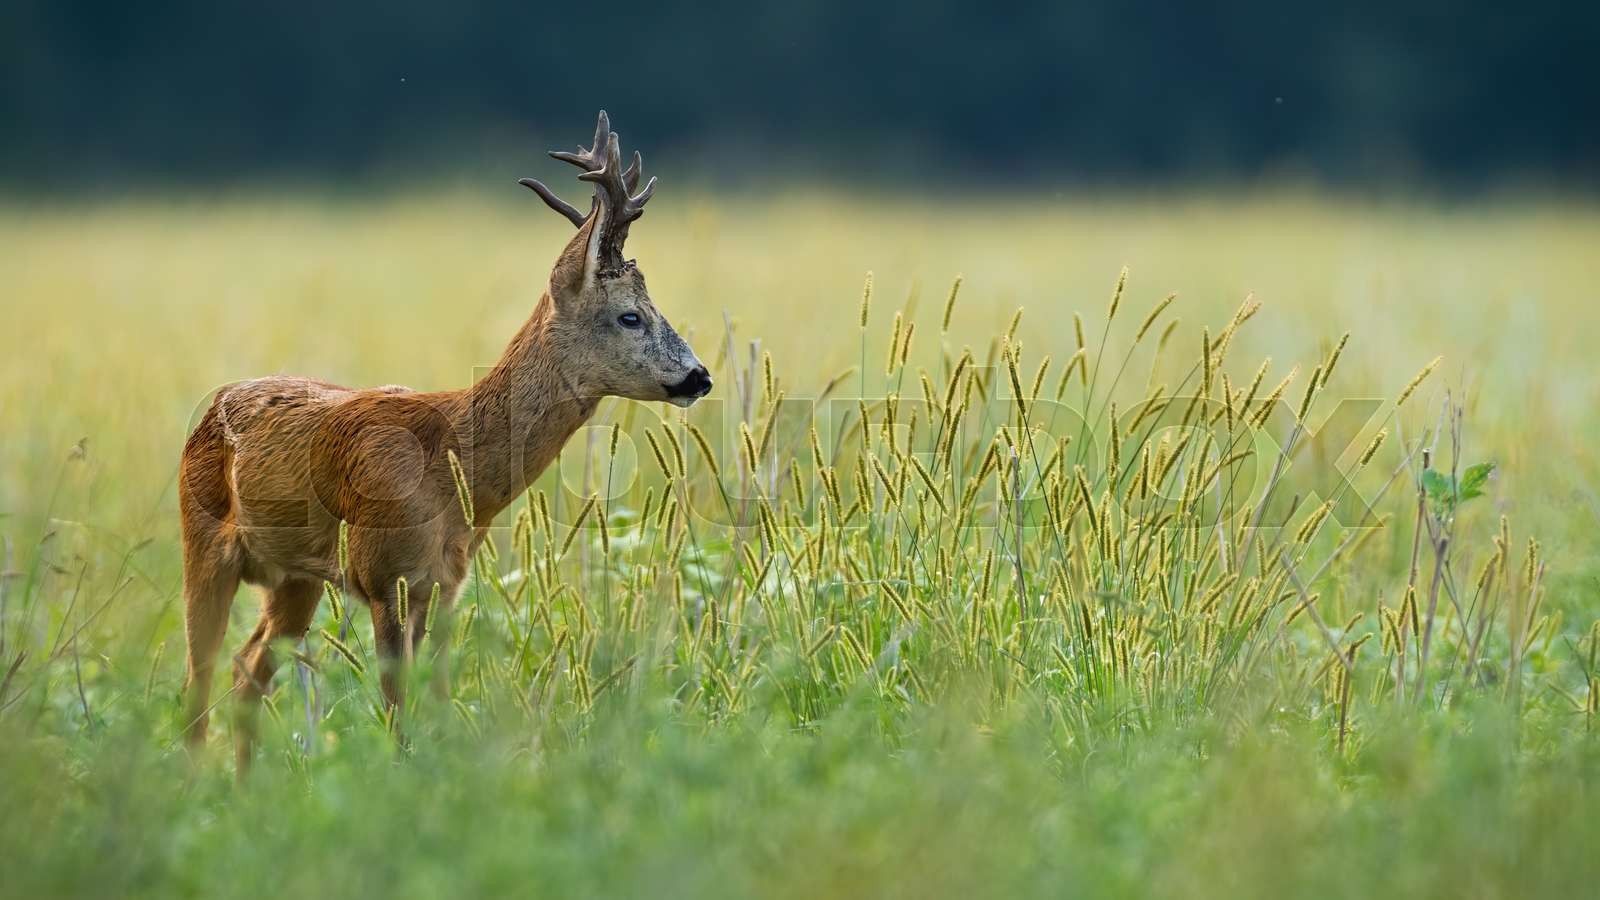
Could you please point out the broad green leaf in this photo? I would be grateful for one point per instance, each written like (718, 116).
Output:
(1474, 479)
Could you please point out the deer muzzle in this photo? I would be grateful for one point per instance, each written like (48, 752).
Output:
(695, 385)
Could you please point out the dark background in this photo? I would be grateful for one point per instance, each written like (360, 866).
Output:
(1447, 93)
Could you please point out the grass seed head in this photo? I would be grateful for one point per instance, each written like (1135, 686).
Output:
(1372, 448)
(751, 457)
(344, 546)
(866, 300)
(705, 450)
(463, 491)
(577, 525)
(1116, 294)
(1333, 358)
(1417, 381)
(1311, 392)
(894, 345)
(1154, 314)
(1273, 399)
(769, 427)
(335, 604)
(677, 450)
(661, 458)
(950, 305)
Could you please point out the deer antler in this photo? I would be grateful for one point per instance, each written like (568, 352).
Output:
(613, 188)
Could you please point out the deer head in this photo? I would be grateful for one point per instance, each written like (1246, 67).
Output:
(602, 314)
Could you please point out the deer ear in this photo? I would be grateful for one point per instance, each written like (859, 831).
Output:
(579, 264)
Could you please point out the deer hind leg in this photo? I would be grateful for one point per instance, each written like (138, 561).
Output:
(285, 614)
(210, 579)
(389, 636)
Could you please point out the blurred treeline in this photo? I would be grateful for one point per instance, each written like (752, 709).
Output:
(1454, 92)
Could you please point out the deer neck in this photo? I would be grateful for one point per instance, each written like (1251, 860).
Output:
(519, 415)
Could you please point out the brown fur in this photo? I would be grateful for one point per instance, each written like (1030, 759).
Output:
(277, 463)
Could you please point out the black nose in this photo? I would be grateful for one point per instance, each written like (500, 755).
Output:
(696, 384)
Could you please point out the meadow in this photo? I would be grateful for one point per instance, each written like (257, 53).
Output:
(1233, 544)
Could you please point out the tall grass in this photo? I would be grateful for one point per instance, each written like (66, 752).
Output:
(1119, 573)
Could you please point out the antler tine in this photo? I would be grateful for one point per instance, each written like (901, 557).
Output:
(602, 128)
(630, 177)
(593, 158)
(643, 196)
(630, 180)
(551, 200)
(588, 160)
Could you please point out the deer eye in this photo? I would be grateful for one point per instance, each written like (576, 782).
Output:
(630, 320)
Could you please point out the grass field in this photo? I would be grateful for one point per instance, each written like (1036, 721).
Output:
(1224, 647)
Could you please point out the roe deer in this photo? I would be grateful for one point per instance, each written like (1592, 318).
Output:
(277, 463)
